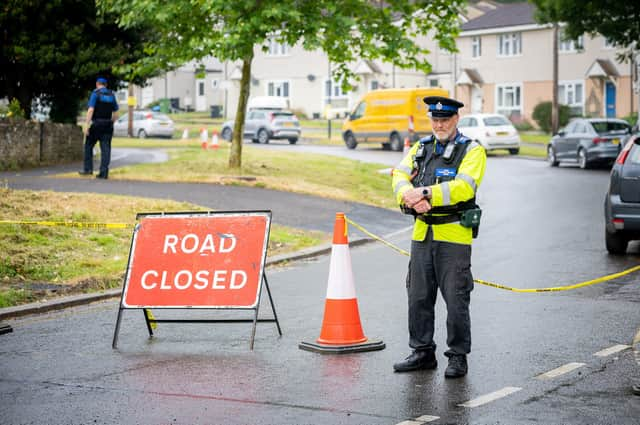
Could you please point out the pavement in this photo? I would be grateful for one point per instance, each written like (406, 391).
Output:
(290, 209)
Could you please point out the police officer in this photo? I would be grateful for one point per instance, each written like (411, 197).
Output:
(437, 183)
(102, 112)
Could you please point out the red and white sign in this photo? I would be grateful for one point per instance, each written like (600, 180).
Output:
(210, 260)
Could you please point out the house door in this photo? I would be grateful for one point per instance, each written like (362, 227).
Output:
(201, 99)
(610, 99)
(476, 100)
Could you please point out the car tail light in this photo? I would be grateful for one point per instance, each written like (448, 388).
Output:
(624, 153)
(618, 223)
(148, 116)
(597, 140)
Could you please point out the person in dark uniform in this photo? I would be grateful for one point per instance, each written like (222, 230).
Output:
(437, 182)
(102, 112)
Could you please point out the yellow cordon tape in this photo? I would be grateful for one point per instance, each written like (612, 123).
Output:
(71, 224)
(508, 288)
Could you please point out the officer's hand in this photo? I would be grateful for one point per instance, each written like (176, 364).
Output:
(422, 207)
(85, 130)
(412, 197)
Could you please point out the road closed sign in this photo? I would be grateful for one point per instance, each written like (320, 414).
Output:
(200, 260)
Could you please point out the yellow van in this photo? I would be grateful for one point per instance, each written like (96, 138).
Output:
(387, 116)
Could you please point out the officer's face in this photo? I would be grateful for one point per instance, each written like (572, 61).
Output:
(444, 128)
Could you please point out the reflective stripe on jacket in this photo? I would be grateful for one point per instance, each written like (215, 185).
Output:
(462, 188)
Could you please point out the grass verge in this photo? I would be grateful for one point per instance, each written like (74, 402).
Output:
(38, 262)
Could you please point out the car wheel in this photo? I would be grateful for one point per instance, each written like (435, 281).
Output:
(142, 134)
(616, 243)
(582, 159)
(293, 141)
(396, 142)
(227, 134)
(263, 136)
(514, 151)
(551, 157)
(350, 140)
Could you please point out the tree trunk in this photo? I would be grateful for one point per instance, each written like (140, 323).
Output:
(235, 153)
(130, 110)
(554, 97)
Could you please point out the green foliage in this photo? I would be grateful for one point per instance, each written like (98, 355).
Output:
(14, 110)
(631, 119)
(523, 125)
(542, 115)
(53, 55)
(616, 20)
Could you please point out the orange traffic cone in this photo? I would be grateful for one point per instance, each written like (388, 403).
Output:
(407, 146)
(204, 135)
(341, 329)
(215, 144)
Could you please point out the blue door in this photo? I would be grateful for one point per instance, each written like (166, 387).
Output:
(610, 99)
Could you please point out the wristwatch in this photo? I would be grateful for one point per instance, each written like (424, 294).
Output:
(426, 192)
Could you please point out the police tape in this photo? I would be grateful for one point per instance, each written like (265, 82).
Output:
(77, 224)
(507, 288)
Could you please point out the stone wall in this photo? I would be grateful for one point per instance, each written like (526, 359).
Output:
(25, 144)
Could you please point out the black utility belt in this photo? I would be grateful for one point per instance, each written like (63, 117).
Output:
(439, 219)
(467, 218)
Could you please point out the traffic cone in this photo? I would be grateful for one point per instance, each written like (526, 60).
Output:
(341, 329)
(215, 144)
(185, 134)
(407, 146)
(204, 136)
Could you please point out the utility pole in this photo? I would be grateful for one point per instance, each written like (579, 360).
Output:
(554, 97)
(130, 109)
(330, 87)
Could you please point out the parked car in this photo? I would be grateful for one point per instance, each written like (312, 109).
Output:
(588, 141)
(145, 124)
(622, 202)
(262, 125)
(492, 131)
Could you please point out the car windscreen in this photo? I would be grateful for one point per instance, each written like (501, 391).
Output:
(160, 117)
(602, 127)
(495, 121)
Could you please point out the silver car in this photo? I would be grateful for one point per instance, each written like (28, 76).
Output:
(145, 124)
(262, 125)
(588, 141)
(622, 203)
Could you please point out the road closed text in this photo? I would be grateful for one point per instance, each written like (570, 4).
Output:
(199, 245)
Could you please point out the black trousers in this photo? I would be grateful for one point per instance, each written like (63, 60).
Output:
(102, 133)
(446, 266)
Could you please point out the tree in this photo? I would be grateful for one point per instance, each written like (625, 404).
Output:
(52, 50)
(347, 30)
(618, 21)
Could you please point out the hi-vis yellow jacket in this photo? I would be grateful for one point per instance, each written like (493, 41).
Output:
(462, 188)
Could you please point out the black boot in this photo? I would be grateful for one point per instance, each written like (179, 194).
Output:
(425, 359)
(457, 366)
(636, 389)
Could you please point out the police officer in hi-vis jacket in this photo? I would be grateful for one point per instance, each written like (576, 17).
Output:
(437, 183)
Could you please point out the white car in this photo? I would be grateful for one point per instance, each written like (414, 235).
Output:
(145, 124)
(492, 131)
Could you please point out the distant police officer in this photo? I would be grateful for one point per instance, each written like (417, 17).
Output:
(437, 183)
(102, 112)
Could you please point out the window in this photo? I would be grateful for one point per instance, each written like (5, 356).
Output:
(375, 85)
(278, 88)
(433, 82)
(509, 99)
(359, 111)
(570, 46)
(571, 93)
(201, 88)
(510, 44)
(468, 122)
(277, 49)
(214, 84)
(476, 47)
(333, 89)
(495, 121)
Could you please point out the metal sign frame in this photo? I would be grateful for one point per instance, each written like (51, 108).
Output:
(150, 320)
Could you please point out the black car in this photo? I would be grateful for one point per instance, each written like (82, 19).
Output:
(622, 203)
(588, 141)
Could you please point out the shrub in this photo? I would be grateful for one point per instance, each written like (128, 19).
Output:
(523, 125)
(14, 109)
(631, 119)
(542, 115)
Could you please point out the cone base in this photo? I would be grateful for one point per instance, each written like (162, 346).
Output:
(368, 345)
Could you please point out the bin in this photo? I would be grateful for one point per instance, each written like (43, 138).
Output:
(215, 111)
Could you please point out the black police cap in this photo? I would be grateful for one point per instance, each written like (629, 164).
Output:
(442, 107)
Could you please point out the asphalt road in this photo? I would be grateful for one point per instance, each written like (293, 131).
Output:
(536, 358)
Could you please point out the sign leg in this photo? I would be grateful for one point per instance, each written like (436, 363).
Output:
(146, 319)
(114, 344)
(273, 307)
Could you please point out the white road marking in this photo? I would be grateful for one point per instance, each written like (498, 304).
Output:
(560, 371)
(488, 398)
(420, 420)
(611, 350)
